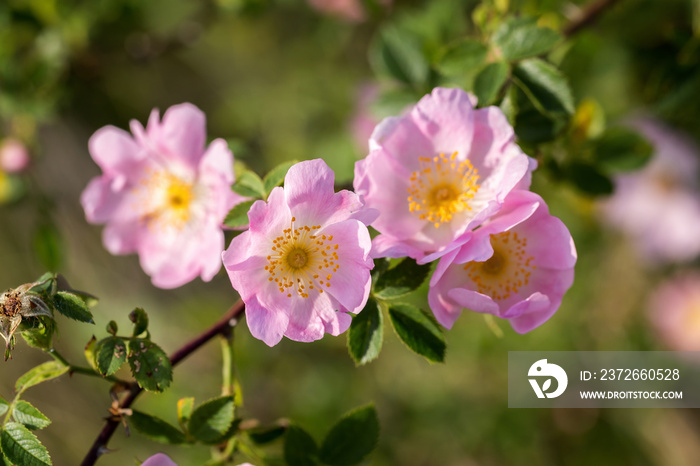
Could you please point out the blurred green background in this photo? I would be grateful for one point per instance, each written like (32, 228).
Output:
(280, 81)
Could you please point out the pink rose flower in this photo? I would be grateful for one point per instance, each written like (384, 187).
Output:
(517, 266)
(304, 263)
(659, 205)
(438, 172)
(14, 156)
(674, 311)
(162, 195)
(159, 459)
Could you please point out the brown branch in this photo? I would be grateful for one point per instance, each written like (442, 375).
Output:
(589, 15)
(224, 325)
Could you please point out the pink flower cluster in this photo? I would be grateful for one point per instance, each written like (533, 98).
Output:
(446, 181)
(450, 183)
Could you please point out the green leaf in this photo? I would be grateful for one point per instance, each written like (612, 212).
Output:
(265, 435)
(149, 365)
(401, 280)
(520, 38)
(366, 334)
(396, 53)
(32, 418)
(275, 177)
(621, 149)
(238, 216)
(156, 428)
(41, 334)
(589, 179)
(545, 86)
(45, 284)
(212, 419)
(90, 353)
(460, 58)
(352, 438)
(41, 373)
(48, 246)
(112, 328)
(21, 447)
(185, 406)
(140, 319)
(4, 406)
(63, 285)
(489, 81)
(300, 448)
(249, 184)
(418, 331)
(72, 306)
(111, 355)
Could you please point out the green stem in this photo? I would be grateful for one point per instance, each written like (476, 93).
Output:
(73, 369)
(227, 363)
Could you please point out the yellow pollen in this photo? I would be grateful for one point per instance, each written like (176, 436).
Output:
(166, 200)
(301, 260)
(507, 271)
(441, 188)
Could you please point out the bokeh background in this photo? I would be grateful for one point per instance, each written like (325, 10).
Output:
(290, 79)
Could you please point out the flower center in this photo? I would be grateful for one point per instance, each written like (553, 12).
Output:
(301, 260)
(507, 271)
(168, 200)
(441, 188)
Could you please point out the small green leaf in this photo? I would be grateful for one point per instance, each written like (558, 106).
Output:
(489, 81)
(352, 438)
(275, 177)
(63, 285)
(461, 57)
(249, 184)
(41, 334)
(300, 448)
(520, 38)
(45, 285)
(621, 149)
(545, 86)
(418, 331)
(212, 419)
(238, 216)
(185, 406)
(21, 447)
(4, 406)
(265, 435)
(156, 428)
(140, 319)
(90, 353)
(366, 334)
(112, 328)
(72, 306)
(149, 365)
(111, 355)
(32, 418)
(48, 246)
(41, 373)
(589, 179)
(396, 53)
(407, 276)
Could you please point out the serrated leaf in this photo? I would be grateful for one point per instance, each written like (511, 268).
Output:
(41, 373)
(352, 438)
(545, 86)
(249, 184)
(521, 38)
(211, 420)
(546, 385)
(622, 149)
(71, 306)
(489, 81)
(41, 334)
(155, 428)
(418, 331)
(396, 53)
(63, 285)
(140, 319)
(185, 406)
(275, 177)
(149, 365)
(29, 416)
(238, 216)
(300, 448)
(21, 447)
(589, 179)
(366, 334)
(110, 355)
(461, 57)
(265, 435)
(407, 276)
(4, 406)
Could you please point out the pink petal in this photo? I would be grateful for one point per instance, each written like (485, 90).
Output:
(115, 151)
(183, 133)
(265, 324)
(159, 459)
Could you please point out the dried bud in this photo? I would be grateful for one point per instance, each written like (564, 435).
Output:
(16, 304)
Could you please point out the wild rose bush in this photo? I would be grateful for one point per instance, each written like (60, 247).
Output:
(474, 131)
